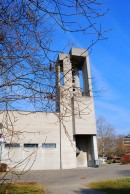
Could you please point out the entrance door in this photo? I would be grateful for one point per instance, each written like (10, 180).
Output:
(81, 155)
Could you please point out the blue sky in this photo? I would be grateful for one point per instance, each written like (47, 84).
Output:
(110, 62)
(110, 65)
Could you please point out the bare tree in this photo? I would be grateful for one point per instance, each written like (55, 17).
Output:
(106, 137)
(27, 57)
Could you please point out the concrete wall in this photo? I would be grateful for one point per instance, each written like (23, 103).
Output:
(84, 115)
(68, 148)
(38, 128)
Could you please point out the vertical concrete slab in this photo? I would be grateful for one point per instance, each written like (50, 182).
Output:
(95, 149)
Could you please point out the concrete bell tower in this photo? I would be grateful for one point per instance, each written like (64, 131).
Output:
(74, 102)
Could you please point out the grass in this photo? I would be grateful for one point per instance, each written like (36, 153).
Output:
(116, 186)
(21, 188)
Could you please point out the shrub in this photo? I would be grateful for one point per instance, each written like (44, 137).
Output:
(109, 161)
(125, 159)
(3, 167)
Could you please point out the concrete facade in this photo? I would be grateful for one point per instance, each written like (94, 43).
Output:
(61, 140)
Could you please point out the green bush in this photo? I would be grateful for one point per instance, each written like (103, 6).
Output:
(109, 161)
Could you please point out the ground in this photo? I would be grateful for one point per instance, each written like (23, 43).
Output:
(74, 181)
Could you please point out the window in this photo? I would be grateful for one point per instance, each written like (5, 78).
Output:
(80, 74)
(12, 145)
(30, 145)
(49, 145)
(61, 78)
(61, 75)
(126, 141)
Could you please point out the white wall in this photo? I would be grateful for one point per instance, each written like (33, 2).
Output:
(84, 115)
(32, 128)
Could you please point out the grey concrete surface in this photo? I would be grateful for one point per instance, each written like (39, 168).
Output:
(74, 181)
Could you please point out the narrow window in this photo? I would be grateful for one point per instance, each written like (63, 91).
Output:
(12, 145)
(81, 81)
(30, 145)
(61, 75)
(49, 145)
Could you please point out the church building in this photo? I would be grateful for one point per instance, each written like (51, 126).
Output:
(63, 139)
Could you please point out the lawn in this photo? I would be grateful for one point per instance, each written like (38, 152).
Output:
(116, 186)
(21, 188)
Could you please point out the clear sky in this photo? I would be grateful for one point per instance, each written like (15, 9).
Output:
(110, 62)
(110, 65)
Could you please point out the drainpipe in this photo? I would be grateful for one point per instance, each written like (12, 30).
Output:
(60, 142)
(2, 141)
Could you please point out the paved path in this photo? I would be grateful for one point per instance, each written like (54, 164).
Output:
(74, 181)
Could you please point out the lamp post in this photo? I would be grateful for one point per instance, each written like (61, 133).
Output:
(2, 141)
